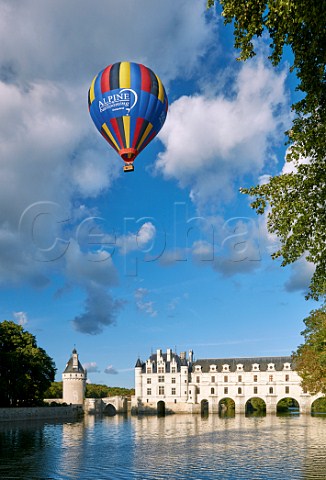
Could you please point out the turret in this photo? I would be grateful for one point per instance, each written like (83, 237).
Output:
(138, 379)
(74, 381)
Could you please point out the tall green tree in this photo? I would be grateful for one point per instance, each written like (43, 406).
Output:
(310, 357)
(26, 371)
(297, 200)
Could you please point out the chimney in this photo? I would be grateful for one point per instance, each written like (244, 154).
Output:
(182, 355)
(191, 356)
(168, 355)
(158, 353)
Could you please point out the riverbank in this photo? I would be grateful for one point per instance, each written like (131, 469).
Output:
(69, 412)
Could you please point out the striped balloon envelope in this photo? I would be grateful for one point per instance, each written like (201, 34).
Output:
(128, 104)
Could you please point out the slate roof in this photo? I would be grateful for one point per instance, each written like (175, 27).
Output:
(153, 360)
(246, 362)
(70, 369)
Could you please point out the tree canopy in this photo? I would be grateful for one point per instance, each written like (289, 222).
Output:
(310, 357)
(26, 371)
(296, 200)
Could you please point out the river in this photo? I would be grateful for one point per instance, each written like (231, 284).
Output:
(174, 447)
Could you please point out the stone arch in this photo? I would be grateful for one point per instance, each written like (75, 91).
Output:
(160, 408)
(255, 405)
(110, 410)
(226, 405)
(320, 407)
(288, 404)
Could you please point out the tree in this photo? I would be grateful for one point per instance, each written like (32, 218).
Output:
(54, 390)
(297, 200)
(310, 357)
(26, 371)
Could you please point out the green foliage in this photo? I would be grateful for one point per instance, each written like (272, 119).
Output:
(257, 404)
(227, 404)
(319, 405)
(297, 200)
(54, 391)
(310, 357)
(101, 391)
(286, 403)
(26, 371)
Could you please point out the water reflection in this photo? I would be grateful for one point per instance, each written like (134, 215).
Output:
(172, 447)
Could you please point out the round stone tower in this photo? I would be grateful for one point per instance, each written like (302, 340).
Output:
(74, 381)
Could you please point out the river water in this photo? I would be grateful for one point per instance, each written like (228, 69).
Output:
(174, 447)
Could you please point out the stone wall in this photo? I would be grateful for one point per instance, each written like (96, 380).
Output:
(70, 412)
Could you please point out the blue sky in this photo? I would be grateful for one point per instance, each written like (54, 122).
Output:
(168, 256)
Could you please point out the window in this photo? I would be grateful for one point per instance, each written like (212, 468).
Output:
(212, 391)
(255, 389)
(173, 369)
(160, 370)
(287, 378)
(161, 390)
(226, 390)
(255, 378)
(149, 391)
(225, 378)
(270, 378)
(213, 379)
(197, 379)
(149, 380)
(149, 370)
(173, 391)
(239, 390)
(239, 378)
(161, 378)
(173, 380)
(198, 390)
(271, 390)
(287, 389)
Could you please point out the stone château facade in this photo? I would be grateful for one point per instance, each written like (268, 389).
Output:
(179, 384)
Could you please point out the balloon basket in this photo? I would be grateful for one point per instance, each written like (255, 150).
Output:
(128, 168)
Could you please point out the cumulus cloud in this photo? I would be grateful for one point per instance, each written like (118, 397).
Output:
(91, 367)
(210, 141)
(110, 370)
(50, 37)
(300, 276)
(137, 241)
(21, 318)
(100, 310)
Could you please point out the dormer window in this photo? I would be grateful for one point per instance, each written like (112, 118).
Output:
(226, 368)
(287, 366)
(212, 368)
(198, 368)
(255, 366)
(271, 366)
(240, 367)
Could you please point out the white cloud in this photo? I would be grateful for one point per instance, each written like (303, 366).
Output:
(110, 370)
(91, 367)
(211, 141)
(145, 306)
(300, 276)
(137, 241)
(21, 318)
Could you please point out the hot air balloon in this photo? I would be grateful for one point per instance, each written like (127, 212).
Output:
(128, 104)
